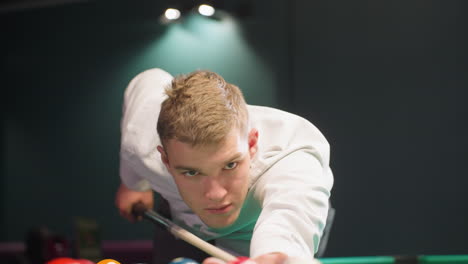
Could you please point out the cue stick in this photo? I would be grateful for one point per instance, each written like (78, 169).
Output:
(139, 209)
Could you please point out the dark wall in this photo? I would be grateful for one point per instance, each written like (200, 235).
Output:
(387, 83)
(65, 70)
(384, 80)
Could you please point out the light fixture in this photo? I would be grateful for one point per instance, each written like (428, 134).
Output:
(206, 10)
(172, 14)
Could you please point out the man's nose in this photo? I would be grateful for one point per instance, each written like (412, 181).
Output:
(214, 189)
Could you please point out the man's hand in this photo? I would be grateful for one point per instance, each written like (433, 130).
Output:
(270, 258)
(126, 198)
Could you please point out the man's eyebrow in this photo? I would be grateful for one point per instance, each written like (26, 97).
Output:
(186, 168)
(236, 156)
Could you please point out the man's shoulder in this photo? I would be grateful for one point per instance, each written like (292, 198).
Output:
(142, 101)
(282, 133)
(274, 117)
(147, 83)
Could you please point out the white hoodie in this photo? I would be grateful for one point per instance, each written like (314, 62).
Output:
(287, 203)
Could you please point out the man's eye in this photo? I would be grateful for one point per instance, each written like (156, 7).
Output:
(190, 173)
(230, 166)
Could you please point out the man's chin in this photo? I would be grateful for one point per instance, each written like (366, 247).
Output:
(218, 222)
(219, 225)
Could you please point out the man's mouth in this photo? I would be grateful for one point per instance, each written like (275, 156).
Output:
(219, 209)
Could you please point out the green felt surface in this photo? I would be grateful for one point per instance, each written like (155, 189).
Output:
(444, 259)
(434, 259)
(359, 260)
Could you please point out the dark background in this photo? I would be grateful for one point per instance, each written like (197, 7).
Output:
(385, 81)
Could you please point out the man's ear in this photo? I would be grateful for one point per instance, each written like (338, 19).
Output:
(164, 157)
(253, 140)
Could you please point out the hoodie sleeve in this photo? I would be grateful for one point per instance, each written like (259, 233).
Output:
(139, 139)
(131, 179)
(294, 193)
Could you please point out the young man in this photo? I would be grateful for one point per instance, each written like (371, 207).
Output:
(256, 180)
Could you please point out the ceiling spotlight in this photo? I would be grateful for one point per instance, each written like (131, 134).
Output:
(206, 10)
(172, 13)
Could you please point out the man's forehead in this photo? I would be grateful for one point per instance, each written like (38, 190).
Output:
(232, 147)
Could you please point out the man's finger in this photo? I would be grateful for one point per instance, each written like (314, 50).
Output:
(213, 261)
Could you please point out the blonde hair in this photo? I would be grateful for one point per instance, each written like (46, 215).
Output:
(201, 108)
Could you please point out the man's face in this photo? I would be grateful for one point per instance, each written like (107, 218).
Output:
(213, 180)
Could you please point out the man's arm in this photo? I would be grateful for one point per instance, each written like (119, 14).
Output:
(126, 197)
(142, 99)
(271, 258)
(294, 194)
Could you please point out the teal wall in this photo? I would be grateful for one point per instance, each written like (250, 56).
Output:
(66, 70)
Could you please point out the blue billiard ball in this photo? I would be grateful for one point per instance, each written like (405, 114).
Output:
(183, 261)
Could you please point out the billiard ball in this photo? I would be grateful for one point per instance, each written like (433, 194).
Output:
(64, 260)
(183, 261)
